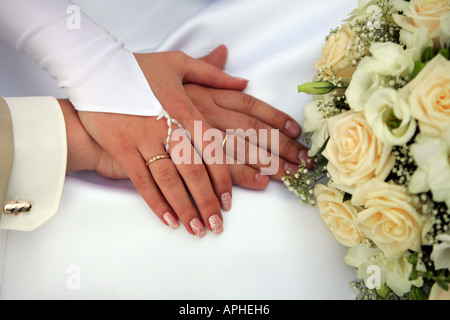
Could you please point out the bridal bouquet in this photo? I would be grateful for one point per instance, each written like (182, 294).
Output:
(379, 131)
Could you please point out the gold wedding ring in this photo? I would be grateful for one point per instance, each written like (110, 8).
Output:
(224, 140)
(156, 158)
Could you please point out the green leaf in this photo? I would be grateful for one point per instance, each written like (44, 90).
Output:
(418, 66)
(417, 294)
(316, 87)
(442, 284)
(323, 146)
(412, 258)
(428, 54)
(445, 53)
(414, 275)
(383, 292)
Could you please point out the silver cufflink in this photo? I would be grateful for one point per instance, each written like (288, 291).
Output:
(17, 207)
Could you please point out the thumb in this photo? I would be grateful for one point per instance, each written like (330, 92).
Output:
(208, 71)
(217, 57)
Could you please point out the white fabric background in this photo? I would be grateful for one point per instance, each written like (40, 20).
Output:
(272, 247)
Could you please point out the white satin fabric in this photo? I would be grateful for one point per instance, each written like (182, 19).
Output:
(106, 243)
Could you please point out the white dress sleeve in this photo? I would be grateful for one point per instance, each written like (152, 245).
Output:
(97, 71)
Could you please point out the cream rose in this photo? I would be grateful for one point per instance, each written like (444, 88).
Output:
(388, 219)
(426, 13)
(437, 293)
(428, 95)
(334, 53)
(339, 216)
(355, 155)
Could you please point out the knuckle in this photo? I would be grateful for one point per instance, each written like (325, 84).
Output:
(249, 102)
(183, 108)
(240, 150)
(239, 173)
(186, 212)
(141, 182)
(195, 171)
(287, 145)
(179, 56)
(167, 177)
(225, 182)
(209, 205)
(254, 124)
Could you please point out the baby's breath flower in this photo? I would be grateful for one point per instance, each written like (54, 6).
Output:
(303, 181)
(367, 32)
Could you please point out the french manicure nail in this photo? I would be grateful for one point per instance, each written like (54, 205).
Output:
(197, 227)
(225, 201)
(292, 128)
(171, 220)
(216, 224)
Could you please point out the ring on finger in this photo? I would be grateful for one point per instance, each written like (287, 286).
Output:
(224, 140)
(156, 158)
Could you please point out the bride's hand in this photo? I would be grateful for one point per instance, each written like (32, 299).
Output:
(161, 183)
(166, 73)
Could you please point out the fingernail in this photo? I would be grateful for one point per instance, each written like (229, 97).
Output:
(197, 227)
(293, 128)
(239, 78)
(225, 200)
(305, 159)
(171, 220)
(261, 179)
(290, 167)
(216, 224)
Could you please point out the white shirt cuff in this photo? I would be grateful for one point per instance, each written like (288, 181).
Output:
(40, 159)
